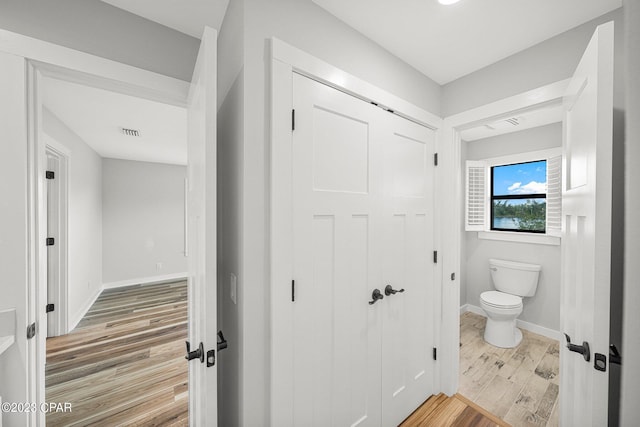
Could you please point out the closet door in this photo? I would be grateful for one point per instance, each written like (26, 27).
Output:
(336, 196)
(408, 267)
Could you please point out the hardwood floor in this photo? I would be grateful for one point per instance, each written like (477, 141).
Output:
(454, 411)
(124, 363)
(519, 385)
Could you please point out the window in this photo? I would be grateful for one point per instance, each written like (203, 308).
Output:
(516, 197)
(519, 197)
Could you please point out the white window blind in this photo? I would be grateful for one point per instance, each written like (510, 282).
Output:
(554, 196)
(476, 195)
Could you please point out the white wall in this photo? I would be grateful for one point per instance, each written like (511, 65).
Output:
(13, 230)
(543, 308)
(142, 221)
(230, 132)
(101, 29)
(630, 395)
(84, 216)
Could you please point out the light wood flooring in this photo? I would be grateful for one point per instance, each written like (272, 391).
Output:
(519, 385)
(124, 363)
(454, 411)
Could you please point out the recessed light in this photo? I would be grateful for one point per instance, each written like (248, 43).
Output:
(448, 2)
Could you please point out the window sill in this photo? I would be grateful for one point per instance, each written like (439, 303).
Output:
(506, 236)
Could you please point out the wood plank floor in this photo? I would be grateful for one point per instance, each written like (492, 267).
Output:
(124, 363)
(454, 411)
(519, 385)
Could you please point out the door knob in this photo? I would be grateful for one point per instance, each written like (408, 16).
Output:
(376, 295)
(195, 354)
(582, 349)
(388, 290)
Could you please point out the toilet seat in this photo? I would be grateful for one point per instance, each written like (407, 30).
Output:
(499, 299)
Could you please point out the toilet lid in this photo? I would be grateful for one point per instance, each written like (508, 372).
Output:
(500, 299)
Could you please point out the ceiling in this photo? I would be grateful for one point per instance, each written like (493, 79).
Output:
(442, 42)
(188, 16)
(98, 116)
(448, 42)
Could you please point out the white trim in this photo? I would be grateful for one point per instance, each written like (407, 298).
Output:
(522, 324)
(451, 208)
(151, 280)
(286, 60)
(529, 156)
(509, 236)
(77, 317)
(79, 67)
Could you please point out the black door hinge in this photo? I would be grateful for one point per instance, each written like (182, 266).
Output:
(293, 119)
(435, 159)
(50, 308)
(435, 353)
(293, 290)
(51, 241)
(435, 257)
(31, 331)
(49, 174)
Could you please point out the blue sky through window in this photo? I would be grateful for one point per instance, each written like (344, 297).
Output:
(521, 178)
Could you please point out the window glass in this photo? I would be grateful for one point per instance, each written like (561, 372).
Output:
(518, 197)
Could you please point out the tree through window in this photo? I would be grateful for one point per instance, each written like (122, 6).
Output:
(519, 197)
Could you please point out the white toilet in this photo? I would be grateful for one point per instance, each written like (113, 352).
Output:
(512, 280)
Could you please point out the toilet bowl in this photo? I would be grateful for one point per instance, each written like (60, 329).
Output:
(512, 280)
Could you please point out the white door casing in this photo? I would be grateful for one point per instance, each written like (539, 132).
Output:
(362, 219)
(586, 238)
(201, 233)
(287, 62)
(408, 267)
(25, 59)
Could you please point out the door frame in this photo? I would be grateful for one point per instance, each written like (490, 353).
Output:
(61, 313)
(452, 223)
(284, 61)
(44, 59)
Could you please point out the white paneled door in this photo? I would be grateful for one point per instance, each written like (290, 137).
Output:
(361, 221)
(586, 238)
(408, 267)
(201, 236)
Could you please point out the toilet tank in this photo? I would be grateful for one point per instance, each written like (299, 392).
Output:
(516, 278)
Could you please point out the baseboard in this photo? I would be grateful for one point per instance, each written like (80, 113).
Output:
(145, 280)
(522, 324)
(73, 321)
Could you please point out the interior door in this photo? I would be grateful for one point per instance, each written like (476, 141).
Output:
(586, 238)
(201, 235)
(408, 267)
(336, 195)
(53, 251)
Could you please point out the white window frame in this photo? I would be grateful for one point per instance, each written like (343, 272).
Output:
(549, 237)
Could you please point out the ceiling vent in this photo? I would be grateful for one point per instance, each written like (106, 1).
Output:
(505, 124)
(131, 132)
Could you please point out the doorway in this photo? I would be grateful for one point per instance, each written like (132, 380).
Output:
(122, 160)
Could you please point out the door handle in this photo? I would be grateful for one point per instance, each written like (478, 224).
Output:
(195, 354)
(375, 295)
(388, 290)
(222, 343)
(582, 349)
